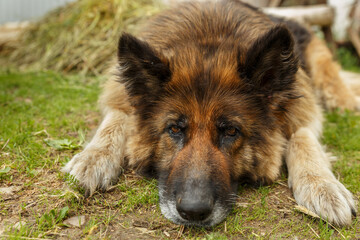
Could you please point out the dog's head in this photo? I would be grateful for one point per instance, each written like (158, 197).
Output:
(208, 116)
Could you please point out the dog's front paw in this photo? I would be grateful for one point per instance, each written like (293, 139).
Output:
(94, 168)
(327, 198)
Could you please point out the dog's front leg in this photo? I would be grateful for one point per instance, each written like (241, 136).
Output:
(314, 185)
(102, 160)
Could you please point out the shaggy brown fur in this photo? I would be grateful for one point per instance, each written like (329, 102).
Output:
(212, 94)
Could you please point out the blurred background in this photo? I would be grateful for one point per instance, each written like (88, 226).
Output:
(24, 10)
(58, 34)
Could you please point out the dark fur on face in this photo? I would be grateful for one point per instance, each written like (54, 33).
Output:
(209, 111)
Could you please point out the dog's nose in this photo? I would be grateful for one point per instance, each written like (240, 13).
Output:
(194, 209)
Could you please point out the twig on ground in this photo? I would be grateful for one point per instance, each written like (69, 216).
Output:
(42, 131)
(31, 204)
(6, 143)
(317, 235)
(291, 199)
(55, 233)
(281, 183)
(180, 232)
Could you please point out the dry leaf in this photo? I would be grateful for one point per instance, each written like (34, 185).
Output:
(75, 221)
(167, 234)
(9, 190)
(244, 205)
(18, 225)
(144, 230)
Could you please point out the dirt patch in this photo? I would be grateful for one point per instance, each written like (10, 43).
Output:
(266, 212)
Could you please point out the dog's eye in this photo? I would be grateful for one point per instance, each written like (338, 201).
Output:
(230, 131)
(228, 134)
(175, 130)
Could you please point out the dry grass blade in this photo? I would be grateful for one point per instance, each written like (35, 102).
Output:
(317, 235)
(306, 211)
(312, 214)
(81, 36)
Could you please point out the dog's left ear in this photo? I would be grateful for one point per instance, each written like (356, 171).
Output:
(270, 63)
(144, 71)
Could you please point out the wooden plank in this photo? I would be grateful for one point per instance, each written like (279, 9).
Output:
(322, 15)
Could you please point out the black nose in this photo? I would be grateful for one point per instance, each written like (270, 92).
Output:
(194, 209)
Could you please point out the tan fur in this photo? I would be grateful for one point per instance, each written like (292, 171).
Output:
(329, 86)
(313, 184)
(102, 160)
(120, 135)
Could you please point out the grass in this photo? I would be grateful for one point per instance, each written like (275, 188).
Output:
(348, 59)
(46, 116)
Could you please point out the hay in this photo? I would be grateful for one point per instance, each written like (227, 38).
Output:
(81, 36)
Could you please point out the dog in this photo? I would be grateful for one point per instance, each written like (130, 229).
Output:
(212, 94)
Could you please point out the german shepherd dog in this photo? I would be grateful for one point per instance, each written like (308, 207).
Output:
(214, 93)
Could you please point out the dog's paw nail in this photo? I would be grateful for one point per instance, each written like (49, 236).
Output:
(353, 212)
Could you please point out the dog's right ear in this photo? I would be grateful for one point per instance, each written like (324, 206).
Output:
(143, 71)
(270, 63)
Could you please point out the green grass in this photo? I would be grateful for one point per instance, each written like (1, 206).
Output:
(38, 108)
(348, 60)
(45, 117)
(342, 135)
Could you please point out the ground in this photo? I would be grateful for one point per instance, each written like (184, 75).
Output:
(46, 117)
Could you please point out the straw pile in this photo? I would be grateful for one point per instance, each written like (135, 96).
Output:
(81, 36)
